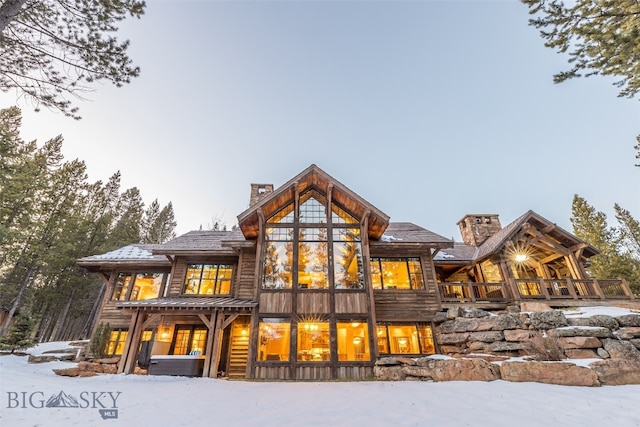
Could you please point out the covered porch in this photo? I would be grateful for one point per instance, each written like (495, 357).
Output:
(530, 259)
(565, 291)
(190, 336)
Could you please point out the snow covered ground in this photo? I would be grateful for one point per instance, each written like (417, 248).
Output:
(133, 400)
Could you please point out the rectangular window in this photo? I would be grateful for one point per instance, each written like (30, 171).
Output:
(116, 342)
(278, 259)
(146, 336)
(189, 339)
(313, 259)
(396, 273)
(274, 338)
(208, 279)
(146, 286)
(347, 259)
(405, 339)
(140, 286)
(122, 287)
(425, 335)
(353, 341)
(313, 341)
(383, 340)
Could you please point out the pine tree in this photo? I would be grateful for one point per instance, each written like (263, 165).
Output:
(164, 229)
(20, 335)
(52, 50)
(150, 217)
(601, 37)
(614, 260)
(629, 229)
(127, 228)
(158, 226)
(49, 217)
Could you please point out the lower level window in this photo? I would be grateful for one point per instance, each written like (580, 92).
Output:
(353, 341)
(115, 345)
(405, 339)
(313, 341)
(274, 338)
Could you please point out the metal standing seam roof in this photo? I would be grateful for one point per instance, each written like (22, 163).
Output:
(189, 302)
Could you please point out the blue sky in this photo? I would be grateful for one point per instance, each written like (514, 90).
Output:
(428, 109)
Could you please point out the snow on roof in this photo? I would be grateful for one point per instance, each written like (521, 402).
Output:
(443, 254)
(126, 252)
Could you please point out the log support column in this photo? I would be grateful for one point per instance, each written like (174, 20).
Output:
(130, 353)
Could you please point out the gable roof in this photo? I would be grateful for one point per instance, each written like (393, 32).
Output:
(312, 177)
(468, 253)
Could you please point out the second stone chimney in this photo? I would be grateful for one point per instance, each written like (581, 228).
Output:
(258, 191)
(476, 229)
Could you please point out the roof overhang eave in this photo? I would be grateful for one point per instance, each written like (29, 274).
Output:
(196, 252)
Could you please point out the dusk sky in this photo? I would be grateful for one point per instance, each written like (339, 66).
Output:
(429, 110)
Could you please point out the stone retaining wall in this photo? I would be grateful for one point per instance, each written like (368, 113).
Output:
(526, 346)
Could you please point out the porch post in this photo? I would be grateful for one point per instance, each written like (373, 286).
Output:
(543, 288)
(598, 289)
(571, 287)
(509, 281)
(626, 289)
(130, 352)
(209, 348)
(215, 352)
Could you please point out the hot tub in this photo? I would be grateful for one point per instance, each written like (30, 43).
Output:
(187, 366)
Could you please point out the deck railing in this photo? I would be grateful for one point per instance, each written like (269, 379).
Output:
(473, 292)
(532, 289)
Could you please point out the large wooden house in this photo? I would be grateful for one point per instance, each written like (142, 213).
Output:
(316, 284)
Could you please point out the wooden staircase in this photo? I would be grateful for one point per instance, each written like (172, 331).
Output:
(239, 350)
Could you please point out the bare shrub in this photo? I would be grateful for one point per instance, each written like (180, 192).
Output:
(543, 347)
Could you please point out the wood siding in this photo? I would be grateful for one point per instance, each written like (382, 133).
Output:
(352, 302)
(116, 318)
(273, 372)
(315, 373)
(429, 274)
(275, 302)
(177, 277)
(355, 372)
(313, 302)
(245, 276)
(405, 305)
(108, 311)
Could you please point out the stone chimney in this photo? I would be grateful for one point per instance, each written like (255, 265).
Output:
(258, 191)
(476, 229)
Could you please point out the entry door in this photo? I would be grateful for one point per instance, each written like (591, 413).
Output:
(189, 339)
